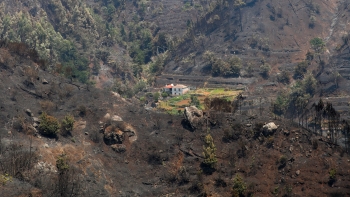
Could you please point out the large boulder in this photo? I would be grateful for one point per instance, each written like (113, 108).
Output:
(113, 135)
(269, 128)
(117, 130)
(194, 116)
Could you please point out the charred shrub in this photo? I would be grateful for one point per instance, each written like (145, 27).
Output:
(282, 161)
(196, 188)
(184, 177)
(82, 111)
(269, 142)
(232, 134)
(47, 105)
(314, 144)
(155, 159)
(95, 135)
(258, 129)
(219, 182)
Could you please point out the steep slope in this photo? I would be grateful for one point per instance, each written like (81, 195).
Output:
(277, 32)
(166, 158)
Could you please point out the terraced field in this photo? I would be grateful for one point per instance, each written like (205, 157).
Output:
(174, 104)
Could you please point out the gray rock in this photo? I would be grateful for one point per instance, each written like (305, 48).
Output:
(36, 120)
(297, 172)
(269, 128)
(46, 145)
(44, 81)
(286, 132)
(29, 112)
(194, 116)
(35, 125)
(116, 118)
(119, 148)
(107, 116)
(86, 133)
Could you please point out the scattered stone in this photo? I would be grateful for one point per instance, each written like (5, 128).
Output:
(297, 172)
(107, 116)
(119, 148)
(45, 167)
(248, 125)
(29, 112)
(116, 118)
(307, 154)
(33, 129)
(116, 94)
(286, 132)
(36, 120)
(46, 145)
(86, 133)
(44, 81)
(35, 125)
(290, 148)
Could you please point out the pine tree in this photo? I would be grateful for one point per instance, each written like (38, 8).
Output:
(209, 152)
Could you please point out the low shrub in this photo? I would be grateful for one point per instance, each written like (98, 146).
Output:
(67, 125)
(49, 125)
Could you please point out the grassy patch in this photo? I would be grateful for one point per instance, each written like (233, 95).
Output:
(173, 104)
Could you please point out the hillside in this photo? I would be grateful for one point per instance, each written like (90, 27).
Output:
(156, 154)
(81, 112)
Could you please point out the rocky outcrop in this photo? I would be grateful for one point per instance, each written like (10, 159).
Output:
(116, 131)
(194, 116)
(119, 148)
(113, 135)
(269, 128)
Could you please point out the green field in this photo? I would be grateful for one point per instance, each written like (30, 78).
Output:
(173, 104)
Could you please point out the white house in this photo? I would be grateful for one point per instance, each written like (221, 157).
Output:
(178, 89)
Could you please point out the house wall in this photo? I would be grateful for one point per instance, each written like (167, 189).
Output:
(185, 90)
(167, 89)
(179, 91)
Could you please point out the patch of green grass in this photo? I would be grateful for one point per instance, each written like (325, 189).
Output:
(173, 104)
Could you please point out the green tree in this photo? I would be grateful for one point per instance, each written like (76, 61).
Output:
(194, 101)
(239, 186)
(156, 96)
(67, 124)
(283, 77)
(238, 4)
(281, 104)
(209, 150)
(318, 45)
(265, 70)
(300, 70)
(49, 125)
(309, 85)
(235, 65)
